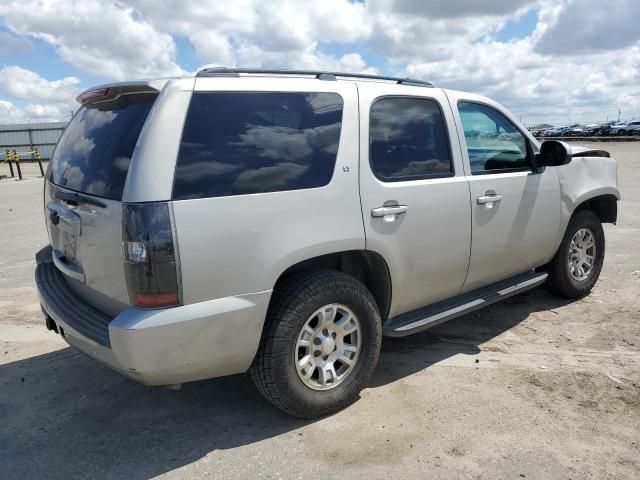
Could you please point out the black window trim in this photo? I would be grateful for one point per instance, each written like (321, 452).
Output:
(428, 176)
(184, 124)
(528, 144)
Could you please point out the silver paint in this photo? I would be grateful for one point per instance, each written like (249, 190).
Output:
(439, 237)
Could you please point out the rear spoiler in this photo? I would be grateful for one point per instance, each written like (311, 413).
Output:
(112, 91)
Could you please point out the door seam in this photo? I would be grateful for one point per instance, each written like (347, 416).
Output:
(466, 177)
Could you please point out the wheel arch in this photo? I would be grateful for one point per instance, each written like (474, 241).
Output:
(602, 202)
(605, 206)
(367, 266)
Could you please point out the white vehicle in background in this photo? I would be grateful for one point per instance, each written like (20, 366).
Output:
(621, 129)
(633, 128)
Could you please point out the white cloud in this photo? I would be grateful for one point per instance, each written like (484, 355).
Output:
(581, 61)
(213, 46)
(9, 113)
(409, 31)
(584, 26)
(44, 100)
(47, 113)
(31, 112)
(546, 86)
(459, 8)
(310, 58)
(23, 84)
(254, 33)
(102, 38)
(538, 87)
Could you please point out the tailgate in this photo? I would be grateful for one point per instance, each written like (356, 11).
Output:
(83, 197)
(87, 246)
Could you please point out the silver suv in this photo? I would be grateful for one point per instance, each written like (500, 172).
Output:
(282, 222)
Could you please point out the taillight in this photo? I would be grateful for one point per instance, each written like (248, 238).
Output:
(93, 94)
(149, 254)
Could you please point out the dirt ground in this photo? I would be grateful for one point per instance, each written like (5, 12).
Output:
(535, 387)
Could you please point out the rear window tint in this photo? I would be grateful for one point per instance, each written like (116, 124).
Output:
(94, 152)
(237, 143)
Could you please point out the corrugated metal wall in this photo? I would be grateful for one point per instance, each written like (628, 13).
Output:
(26, 137)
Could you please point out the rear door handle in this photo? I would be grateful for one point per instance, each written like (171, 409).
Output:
(389, 210)
(492, 198)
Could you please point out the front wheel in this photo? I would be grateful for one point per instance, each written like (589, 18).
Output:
(576, 266)
(320, 346)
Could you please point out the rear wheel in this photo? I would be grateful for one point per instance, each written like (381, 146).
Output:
(320, 346)
(576, 266)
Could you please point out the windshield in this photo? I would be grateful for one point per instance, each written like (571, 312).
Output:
(95, 150)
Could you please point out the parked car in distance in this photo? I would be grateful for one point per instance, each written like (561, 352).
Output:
(633, 128)
(619, 129)
(563, 131)
(283, 222)
(574, 131)
(552, 132)
(596, 129)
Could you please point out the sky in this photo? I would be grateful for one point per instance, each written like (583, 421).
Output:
(554, 61)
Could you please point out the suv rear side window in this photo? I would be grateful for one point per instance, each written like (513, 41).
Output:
(494, 144)
(237, 143)
(408, 140)
(95, 150)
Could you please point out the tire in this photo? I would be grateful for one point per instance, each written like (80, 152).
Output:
(561, 280)
(274, 369)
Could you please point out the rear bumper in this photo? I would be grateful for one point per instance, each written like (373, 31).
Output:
(158, 347)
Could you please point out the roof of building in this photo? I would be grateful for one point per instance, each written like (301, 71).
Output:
(18, 127)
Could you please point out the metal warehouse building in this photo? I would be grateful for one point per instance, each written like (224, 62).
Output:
(29, 136)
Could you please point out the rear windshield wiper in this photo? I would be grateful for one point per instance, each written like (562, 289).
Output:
(75, 198)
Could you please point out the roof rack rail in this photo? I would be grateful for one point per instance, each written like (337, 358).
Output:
(321, 75)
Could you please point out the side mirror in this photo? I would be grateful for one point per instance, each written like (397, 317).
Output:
(553, 153)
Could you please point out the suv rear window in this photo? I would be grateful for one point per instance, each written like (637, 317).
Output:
(95, 150)
(237, 143)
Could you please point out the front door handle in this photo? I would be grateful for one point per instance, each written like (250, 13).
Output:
(389, 210)
(490, 198)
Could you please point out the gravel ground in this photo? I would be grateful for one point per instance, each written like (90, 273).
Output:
(535, 387)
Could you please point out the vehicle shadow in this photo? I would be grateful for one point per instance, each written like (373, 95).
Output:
(404, 356)
(64, 415)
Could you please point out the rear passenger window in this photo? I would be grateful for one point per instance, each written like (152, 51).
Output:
(239, 143)
(408, 140)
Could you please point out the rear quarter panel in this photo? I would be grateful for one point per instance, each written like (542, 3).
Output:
(150, 177)
(241, 244)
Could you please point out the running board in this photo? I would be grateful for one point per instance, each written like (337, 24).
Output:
(432, 315)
